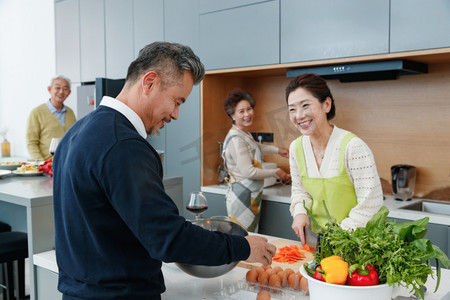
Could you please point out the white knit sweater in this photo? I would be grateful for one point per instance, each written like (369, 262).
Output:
(360, 166)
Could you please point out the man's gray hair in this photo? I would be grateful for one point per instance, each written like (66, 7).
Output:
(169, 60)
(61, 77)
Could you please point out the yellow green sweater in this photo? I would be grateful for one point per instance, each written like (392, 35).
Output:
(42, 126)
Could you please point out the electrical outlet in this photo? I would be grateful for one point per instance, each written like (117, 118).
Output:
(264, 137)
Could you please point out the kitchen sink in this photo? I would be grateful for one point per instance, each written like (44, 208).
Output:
(435, 207)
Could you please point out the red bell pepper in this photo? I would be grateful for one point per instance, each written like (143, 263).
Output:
(359, 276)
(318, 274)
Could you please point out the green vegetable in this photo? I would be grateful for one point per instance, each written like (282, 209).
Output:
(399, 252)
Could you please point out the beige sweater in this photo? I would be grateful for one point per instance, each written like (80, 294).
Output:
(238, 154)
(42, 126)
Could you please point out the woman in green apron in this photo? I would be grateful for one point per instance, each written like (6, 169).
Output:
(243, 161)
(328, 163)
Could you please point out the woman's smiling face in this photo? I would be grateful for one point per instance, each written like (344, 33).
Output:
(306, 112)
(243, 115)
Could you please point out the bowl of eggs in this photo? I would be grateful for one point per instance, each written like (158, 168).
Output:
(213, 271)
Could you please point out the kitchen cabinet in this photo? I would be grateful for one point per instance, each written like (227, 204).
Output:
(240, 37)
(119, 43)
(323, 29)
(417, 24)
(215, 5)
(148, 23)
(276, 220)
(67, 36)
(182, 136)
(46, 284)
(438, 234)
(216, 206)
(92, 39)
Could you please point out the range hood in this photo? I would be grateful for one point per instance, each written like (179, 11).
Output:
(379, 70)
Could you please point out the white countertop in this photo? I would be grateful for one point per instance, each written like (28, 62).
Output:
(282, 194)
(180, 285)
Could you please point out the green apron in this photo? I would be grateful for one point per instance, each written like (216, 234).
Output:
(338, 192)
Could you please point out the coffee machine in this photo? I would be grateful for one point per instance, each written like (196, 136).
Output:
(403, 181)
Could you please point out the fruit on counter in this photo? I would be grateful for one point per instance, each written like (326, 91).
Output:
(362, 276)
(47, 167)
(290, 254)
(263, 295)
(335, 269)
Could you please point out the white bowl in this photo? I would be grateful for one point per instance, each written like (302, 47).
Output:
(319, 290)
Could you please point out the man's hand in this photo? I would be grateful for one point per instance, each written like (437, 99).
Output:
(260, 250)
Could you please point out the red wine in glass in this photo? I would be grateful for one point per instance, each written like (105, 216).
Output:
(197, 204)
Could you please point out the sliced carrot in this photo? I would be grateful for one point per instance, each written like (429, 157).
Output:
(288, 254)
(306, 247)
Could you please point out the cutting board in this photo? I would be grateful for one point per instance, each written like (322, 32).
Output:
(279, 243)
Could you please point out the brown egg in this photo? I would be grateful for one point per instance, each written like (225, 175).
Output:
(288, 271)
(275, 281)
(277, 269)
(251, 276)
(272, 271)
(304, 285)
(263, 278)
(267, 267)
(263, 295)
(259, 270)
(268, 270)
(294, 281)
(299, 275)
(284, 278)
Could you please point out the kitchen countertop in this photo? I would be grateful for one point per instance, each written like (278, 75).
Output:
(282, 194)
(180, 285)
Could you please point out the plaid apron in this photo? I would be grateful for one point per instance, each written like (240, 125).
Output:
(244, 197)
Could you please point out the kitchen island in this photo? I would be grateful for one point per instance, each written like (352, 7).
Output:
(180, 285)
(26, 204)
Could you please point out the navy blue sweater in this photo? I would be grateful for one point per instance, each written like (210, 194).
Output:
(114, 223)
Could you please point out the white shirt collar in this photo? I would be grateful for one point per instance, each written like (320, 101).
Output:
(127, 112)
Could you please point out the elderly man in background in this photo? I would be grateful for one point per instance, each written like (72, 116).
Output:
(49, 120)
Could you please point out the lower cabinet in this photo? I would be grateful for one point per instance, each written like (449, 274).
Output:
(438, 234)
(46, 284)
(276, 220)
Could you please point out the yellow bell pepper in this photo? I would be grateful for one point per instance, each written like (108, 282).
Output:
(335, 268)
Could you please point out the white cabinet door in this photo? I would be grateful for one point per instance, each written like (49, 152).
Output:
(67, 30)
(92, 29)
(148, 23)
(118, 37)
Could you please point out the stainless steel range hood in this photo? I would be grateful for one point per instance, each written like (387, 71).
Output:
(379, 70)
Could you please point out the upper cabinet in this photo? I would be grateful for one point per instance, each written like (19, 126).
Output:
(215, 5)
(67, 31)
(92, 39)
(418, 24)
(323, 29)
(118, 37)
(148, 23)
(241, 36)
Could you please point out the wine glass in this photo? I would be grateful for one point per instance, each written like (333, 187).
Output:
(53, 144)
(197, 204)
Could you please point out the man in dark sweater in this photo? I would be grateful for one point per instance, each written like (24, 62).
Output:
(114, 223)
